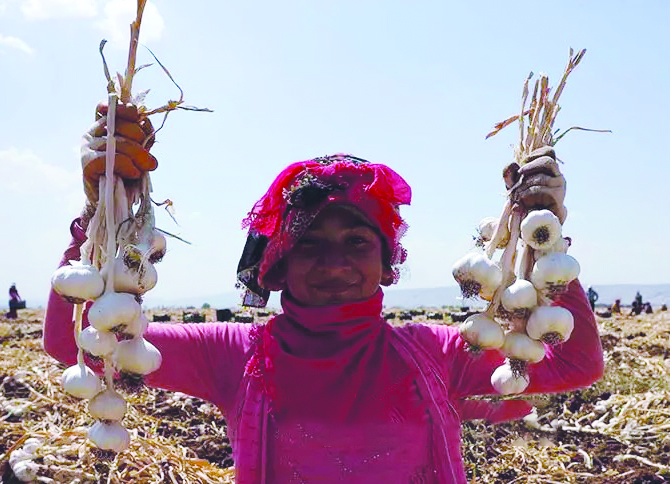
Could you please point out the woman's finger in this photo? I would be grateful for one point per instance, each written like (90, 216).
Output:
(127, 112)
(543, 164)
(540, 152)
(543, 180)
(123, 167)
(122, 128)
(142, 158)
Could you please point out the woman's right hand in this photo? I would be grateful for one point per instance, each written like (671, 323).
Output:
(134, 135)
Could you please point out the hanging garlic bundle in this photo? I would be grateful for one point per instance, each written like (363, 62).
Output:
(115, 270)
(519, 319)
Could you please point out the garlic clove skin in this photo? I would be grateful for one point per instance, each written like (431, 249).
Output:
(97, 343)
(540, 229)
(550, 324)
(553, 272)
(137, 356)
(80, 381)
(477, 275)
(134, 279)
(113, 310)
(109, 436)
(520, 346)
(78, 283)
(482, 332)
(520, 295)
(507, 382)
(108, 405)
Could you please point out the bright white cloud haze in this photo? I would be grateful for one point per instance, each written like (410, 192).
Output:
(416, 85)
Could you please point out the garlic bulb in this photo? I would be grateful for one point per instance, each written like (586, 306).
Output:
(107, 405)
(136, 278)
(520, 295)
(477, 275)
(550, 324)
(519, 346)
(109, 436)
(97, 343)
(562, 245)
(486, 231)
(137, 327)
(22, 465)
(78, 283)
(506, 381)
(540, 229)
(553, 272)
(113, 310)
(137, 356)
(158, 246)
(482, 332)
(80, 381)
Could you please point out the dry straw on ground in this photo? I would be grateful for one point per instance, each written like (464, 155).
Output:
(616, 431)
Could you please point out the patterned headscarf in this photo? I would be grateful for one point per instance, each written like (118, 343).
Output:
(298, 194)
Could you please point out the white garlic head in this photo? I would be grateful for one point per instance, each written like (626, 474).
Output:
(78, 283)
(553, 272)
(477, 275)
(540, 229)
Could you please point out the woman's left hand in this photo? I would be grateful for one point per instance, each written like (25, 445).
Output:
(538, 183)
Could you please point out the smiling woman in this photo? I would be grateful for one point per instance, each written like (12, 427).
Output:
(329, 391)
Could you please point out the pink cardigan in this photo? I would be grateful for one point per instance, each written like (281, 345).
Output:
(208, 361)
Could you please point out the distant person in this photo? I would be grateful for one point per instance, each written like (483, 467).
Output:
(14, 302)
(647, 308)
(592, 297)
(637, 305)
(616, 307)
(638, 299)
(328, 391)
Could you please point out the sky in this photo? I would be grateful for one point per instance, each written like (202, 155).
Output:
(414, 85)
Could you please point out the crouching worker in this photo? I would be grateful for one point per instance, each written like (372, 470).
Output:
(328, 391)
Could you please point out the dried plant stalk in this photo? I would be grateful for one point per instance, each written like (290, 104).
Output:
(536, 121)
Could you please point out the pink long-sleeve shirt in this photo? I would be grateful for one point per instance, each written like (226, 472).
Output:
(209, 360)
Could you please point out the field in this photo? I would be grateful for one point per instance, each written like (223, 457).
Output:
(614, 432)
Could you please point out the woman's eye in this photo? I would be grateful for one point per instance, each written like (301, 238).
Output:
(358, 241)
(307, 242)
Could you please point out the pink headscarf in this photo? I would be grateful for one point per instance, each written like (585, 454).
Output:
(298, 194)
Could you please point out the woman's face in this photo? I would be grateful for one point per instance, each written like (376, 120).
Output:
(338, 259)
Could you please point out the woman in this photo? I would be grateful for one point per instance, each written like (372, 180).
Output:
(14, 302)
(328, 391)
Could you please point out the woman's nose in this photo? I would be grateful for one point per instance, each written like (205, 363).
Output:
(333, 257)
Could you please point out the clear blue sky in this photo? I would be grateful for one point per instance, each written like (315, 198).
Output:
(416, 85)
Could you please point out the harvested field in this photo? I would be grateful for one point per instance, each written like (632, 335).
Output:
(614, 432)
